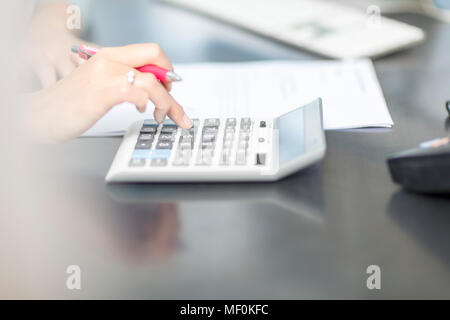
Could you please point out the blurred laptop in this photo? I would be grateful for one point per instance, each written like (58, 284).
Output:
(329, 28)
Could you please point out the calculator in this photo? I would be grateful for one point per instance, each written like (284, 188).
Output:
(221, 149)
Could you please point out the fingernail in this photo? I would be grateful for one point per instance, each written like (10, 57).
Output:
(188, 122)
(159, 117)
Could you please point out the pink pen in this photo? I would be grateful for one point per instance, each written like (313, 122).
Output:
(161, 74)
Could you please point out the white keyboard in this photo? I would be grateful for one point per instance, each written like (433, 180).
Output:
(324, 27)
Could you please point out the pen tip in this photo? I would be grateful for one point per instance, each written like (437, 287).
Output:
(172, 76)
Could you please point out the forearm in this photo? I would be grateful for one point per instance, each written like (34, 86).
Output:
(36, 121)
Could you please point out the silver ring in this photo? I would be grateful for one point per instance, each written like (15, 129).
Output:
(131, 75)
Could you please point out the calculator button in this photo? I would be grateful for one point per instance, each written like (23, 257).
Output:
(246, 122)
(180, 162)
(187, 138)
(141, 154)
(228, 137)
(261, 159)
(261, 140)
(243, 136)
(160, 162)
(262, 124)
(225, 159)
(146, 137)
(205, 157)
(149, 129)
(241, 157)
(208, 145)
(209, 137)
(183, 158)
(169, 129)
(212, 130)
(231, 122)
(207, 152)
(227, 144)
(211, 123)
(166, 137)
(185, 152)
(143, 145)
(191, 132)
(243, 145)
(186, 143)
(160, 154)
(185, 155)
(230, 130)
(185, 146)
(137, 163)
(245, 128)
(164, 145)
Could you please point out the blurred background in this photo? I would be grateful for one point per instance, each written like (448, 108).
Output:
(309, 236)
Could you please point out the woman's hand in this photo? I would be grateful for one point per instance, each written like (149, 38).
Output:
(74, 104)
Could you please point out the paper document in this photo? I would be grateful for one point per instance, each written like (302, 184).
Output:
(352, 97)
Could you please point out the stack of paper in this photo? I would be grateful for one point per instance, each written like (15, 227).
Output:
(352, 97)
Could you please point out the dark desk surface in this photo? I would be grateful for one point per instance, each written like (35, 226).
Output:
(311, 235)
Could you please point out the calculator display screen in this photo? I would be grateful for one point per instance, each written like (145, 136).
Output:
(291, 128)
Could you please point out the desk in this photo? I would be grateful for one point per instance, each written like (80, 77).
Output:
(311, 235)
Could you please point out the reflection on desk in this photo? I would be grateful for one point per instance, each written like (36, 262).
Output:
(425, 218)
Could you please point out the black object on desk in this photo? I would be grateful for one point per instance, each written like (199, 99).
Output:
(425, 169)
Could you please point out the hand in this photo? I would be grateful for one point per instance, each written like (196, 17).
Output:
(71, 106)
(48, 42)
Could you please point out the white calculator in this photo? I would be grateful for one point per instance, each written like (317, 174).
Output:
(221, 149)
